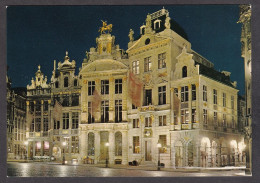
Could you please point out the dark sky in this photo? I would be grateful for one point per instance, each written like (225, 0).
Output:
(40, 34)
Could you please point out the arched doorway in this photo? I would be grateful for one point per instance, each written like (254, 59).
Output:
(178, 154)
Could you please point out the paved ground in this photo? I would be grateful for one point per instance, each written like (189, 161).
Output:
(45, 169)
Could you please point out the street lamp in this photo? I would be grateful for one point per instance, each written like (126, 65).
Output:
(159, 164)
(63, 158)
(107, 145)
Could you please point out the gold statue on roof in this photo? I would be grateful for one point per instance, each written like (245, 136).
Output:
(105, 27)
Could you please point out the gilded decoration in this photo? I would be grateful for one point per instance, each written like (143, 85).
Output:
(105, 27)
(148, 133)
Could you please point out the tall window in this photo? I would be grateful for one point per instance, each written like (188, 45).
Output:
(136, 123)
(118, 144)
(148, 122)
(45, 124)
(65, 101)
(193, 115)
(75, 144)
(32, 106)
(45, 106)
(91, 144)
(163, 142)
(91, 118)
(184, 116)
(224, 100)
(91, 87)
(118, 110)
(215, 119)
(75, 100)
(162, 95)
(57, 84)
(205, 116)
(75, 82)
(65, 120)
(66, 82)
(162, 120)
(56, 125)
(193, 92)
(118, 86)
(136, 144)
(205, 93)
(184, 71)
(104, 111)
(104, 87)
(148, 97)
(75, 120)
(135, 65)
(215, 96)
(147, 64)
(232, 102)
(184, 94)
(37, 124)
(162, 60)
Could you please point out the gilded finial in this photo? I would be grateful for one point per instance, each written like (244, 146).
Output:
(39, 67)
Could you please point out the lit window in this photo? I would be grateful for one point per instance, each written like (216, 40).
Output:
(104, 87)
(118, 110)
(91, 144)
(205, 116)
(162, 120)
(162, 95)
(91, 87)
(215, 96)
(193, 115)
(65, 120)
(135, 123)
(118, 86)
(162, 60)
(163, 142)
(135, 68)
(204, 93)
(136, 144)
(75, 120)
(148, 122)
(184, 94)
(104, 111)
(147, 64)
(184, 116)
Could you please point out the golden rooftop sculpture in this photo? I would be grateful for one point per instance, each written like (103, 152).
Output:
(105, 27)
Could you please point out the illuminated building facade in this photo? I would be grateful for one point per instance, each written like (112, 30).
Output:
(183, 115)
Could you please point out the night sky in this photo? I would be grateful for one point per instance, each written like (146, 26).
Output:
(40, 34)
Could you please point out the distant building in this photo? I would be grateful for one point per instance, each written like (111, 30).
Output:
(16, 121)
(157, 101)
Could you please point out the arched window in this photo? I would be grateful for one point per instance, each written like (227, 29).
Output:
(91, 144)
(118, 144)
(66, 82)
(57, 84)
(142, 29)
(184, 71)
(75, 82)
(157, 24)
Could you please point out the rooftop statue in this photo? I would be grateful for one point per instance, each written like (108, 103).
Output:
(105, 27)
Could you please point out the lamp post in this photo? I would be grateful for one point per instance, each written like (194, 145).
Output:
(63, 152)
(159, 163)
(107, 156)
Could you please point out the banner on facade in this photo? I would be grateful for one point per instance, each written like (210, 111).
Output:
(176, 104)
(29, 118)
(135, 87)
(57, 111)
(96, 101)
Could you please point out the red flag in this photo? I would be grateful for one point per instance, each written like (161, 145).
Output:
(57, 111)
(176, 104)
(135, 87)
(96, 101)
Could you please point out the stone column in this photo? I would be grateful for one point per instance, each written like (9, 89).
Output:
(124, 148)
(97, 147)
(111, 152)
(83, 141)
